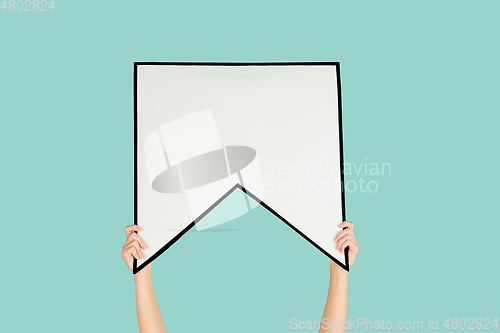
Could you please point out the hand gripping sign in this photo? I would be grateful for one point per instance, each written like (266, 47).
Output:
(271, 134)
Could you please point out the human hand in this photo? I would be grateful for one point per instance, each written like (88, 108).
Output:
(346, 238)
(133, 245)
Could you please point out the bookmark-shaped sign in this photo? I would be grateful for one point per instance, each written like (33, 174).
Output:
(269, 134)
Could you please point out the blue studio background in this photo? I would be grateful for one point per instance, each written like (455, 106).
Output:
(419, 89)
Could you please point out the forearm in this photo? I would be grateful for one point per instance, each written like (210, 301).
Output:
(148, 312)
(335, 312)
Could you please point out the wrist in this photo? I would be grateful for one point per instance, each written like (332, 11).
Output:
(336, 270)
(143, 275)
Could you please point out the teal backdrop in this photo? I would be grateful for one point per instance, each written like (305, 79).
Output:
(420, 89)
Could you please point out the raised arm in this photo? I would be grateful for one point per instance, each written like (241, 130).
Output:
(148, 312)
(335, 312)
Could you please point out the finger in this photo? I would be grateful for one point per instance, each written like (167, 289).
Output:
(133, 236)
(341, 234)
(135, 252)
(128, 252)
(347, 224)
(344, 244)
(353, 245)
(128, 242)
(131, 242)
(343, 239)
(136, 244)
(131, 228)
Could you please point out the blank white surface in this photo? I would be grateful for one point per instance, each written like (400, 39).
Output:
(190, 136)
(155, 158)
(288, 114)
